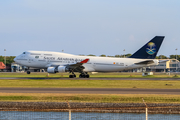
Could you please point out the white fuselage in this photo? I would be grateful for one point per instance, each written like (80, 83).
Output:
(45, 59)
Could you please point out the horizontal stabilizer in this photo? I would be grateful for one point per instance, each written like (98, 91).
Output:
(163, 61)
(145, 62)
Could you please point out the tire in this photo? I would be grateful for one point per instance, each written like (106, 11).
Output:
(83, 76)
(28, 72)
(71, 76)
(87, 76)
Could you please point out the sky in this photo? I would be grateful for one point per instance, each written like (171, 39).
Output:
(88, 26)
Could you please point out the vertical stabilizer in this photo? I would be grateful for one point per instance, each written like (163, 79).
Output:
(149, 50)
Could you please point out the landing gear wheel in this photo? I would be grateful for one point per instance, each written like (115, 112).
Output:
(28, 72)
(80, 76)
(71, 76)
(87, 76)
(84, 76)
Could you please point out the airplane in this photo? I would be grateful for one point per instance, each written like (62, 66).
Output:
(62, 62)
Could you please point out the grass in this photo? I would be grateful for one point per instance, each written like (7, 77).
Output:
(75, 83)
(113, 98)
(97, 75)
(160, 84)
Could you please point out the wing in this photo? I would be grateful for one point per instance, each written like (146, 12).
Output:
(79, 63)
(145, 62)
(78, 66)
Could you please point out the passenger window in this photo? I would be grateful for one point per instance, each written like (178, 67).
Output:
(36, 56)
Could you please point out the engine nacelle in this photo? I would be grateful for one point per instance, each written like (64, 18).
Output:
(51, 70)
(62, 69)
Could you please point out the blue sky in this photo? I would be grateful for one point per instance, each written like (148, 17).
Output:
(88, 26)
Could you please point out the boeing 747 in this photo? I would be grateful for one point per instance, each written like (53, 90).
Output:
(62, 62)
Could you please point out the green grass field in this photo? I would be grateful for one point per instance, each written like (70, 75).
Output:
(112, 98)
(98, 75)
(161, 84)
(75, 83)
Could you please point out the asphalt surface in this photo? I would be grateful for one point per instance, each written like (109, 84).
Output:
(91, 90)
(99, 78)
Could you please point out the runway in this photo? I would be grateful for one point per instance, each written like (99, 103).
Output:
(99, 78)
(91, 90)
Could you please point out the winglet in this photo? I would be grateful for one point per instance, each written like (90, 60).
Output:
(84, 61)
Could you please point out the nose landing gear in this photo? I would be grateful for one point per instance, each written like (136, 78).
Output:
(28, 72)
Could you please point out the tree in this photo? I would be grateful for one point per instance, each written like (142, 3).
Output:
(128, 55)
(161, 57)
(91, 55)
(118, 56)
(122, 56)
(174, 57)
(102, 55)
(9, 60)
(110, 56)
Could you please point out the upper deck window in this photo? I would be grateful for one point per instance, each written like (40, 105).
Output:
(35, 54)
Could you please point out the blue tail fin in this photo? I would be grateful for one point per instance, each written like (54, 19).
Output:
(149, 50)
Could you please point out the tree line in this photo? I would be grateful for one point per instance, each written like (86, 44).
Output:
(9, 60)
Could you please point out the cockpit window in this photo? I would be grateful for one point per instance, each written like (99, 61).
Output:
(24, 52)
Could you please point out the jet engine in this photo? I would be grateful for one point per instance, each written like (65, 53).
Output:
(62, 69)
(57, 69)
(51, 70)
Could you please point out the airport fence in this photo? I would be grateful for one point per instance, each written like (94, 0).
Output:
(88, 111)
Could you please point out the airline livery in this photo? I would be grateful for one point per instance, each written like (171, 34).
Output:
(62, 62)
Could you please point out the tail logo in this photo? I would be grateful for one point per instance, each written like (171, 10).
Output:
(151, 48)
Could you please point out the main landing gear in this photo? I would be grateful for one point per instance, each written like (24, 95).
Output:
(72, 76)
(84, 75)
(28, 71)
